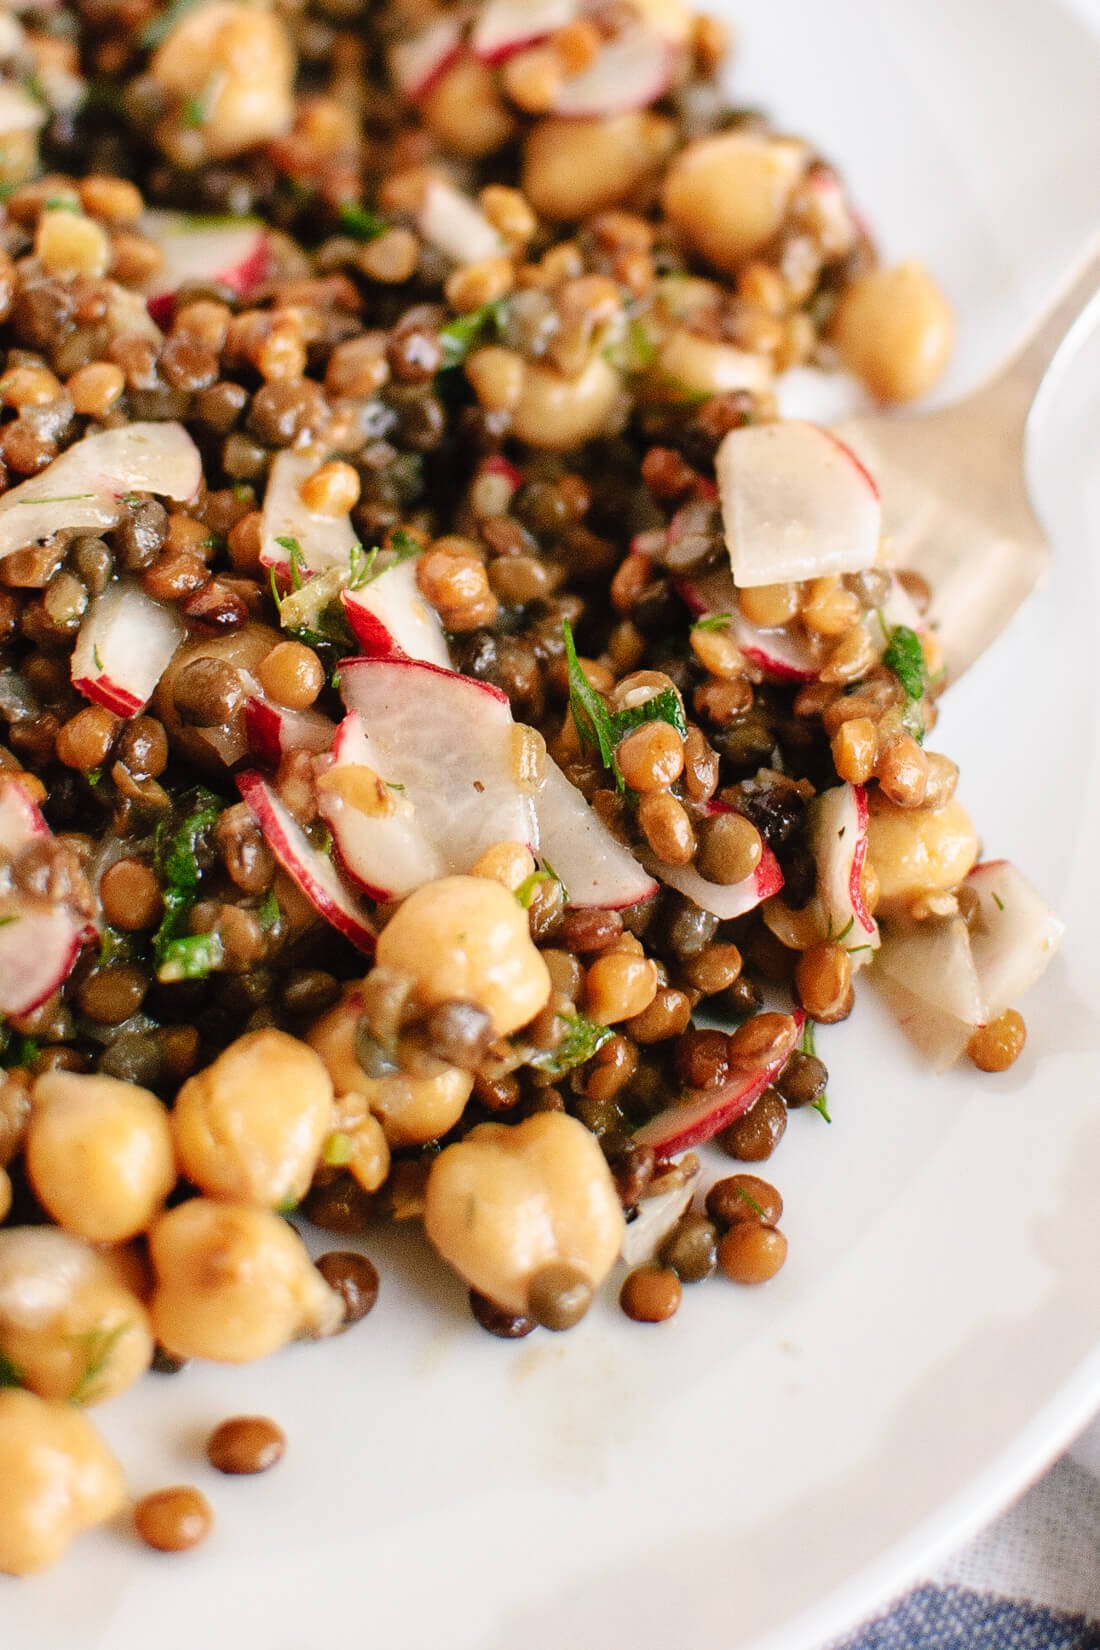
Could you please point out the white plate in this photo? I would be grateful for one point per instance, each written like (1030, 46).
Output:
(773, 1463)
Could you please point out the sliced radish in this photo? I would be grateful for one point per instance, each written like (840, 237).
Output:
(126, 642)
(723, 900)
(325, 541)
(83, 490)
(376, 830)
(838, 840)
(313, 871)
(594, 866)
(417, 61)
(235, 252)
(504, 27)
(20, 818)
(796, 503)
(705, 1112)
(927, 975)
(782, 655)
(656, 1217)
(632, 70)
(39, 944)
(455, 225)
(272, 730)
(451, 743)
(389, 616)
(1015, 936)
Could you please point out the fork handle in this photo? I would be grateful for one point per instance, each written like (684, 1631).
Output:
(1020, 379)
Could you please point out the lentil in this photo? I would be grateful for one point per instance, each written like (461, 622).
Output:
(743, 1197)
(691, 1249)
(173, 1520)
(651, 1294)
(754, 1137)
(245, 1444)
(354, 1278)
(998, 1045)
(751, 1253)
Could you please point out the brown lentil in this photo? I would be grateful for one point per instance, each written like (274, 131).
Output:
(173, 1520)
(764, 1038)
(558, 1296)
(803, 1079)
(667, 828)
(743, 1197)
(110, 995)
(131, 895)
(668, 1015)
(691, 1249)
(651, 758)
(85, 740)
(751, 1253)
(245, 1444)
(754, 1137)
(730, 848)
(823, 980)
(497, 1320)
(651, 1294)
(352, 1275)
(292, 675)
(714, 969)
(998, 1045)
(702, 1059)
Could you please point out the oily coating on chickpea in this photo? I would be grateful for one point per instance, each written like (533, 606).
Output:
(251, 1126)
(59, 1479)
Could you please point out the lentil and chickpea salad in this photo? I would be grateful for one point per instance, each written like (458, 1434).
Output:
(432, 676)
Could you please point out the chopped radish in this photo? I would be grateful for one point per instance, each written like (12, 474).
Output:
(376, 830)
(126, 642)
(451, 222)
(782, 655)
(632, 70)
(705, 1112)
(451, 743)
(594, 866)
(39, 944)
(503, 27)
(723, 900)
(83, 490)
(389, 616)
(417, 61)
(324, 541)
(796, 504)
(272, 730)
(1015, 936)
(232, 251)
(312, 870)
(497, 465)
(927, 975)
(656, 1217)
(838, 839)
(20, 818)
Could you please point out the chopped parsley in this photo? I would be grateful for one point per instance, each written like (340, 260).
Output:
(634, 350)
(746, 1197)
(297, 560)
(713, 621)
(364, 563)
(581, 1040)
(12, 916)
(98, 1346)
(176, 862)
(360, 222)
(10, 1374)
(998, 902)
(337, 1150)
(97, 658)
(821, 1104)
(60, 203)
(23, 1052)
(193, 957)
(602, 728)
(268, 913)
(57, 498)
(525, 893)
(466, 331)
(904, 655)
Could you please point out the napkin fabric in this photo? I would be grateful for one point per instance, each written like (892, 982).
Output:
(1029, 1582)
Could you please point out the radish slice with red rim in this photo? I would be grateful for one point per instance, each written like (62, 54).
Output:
(455, 225)
(703, 1113)
(84, 489)
(312, 870)
(927, 976)
(235, 252)
(374, 826)
(20, 818)
(39, 944)
(125, 643)
(450, 741)
(503, 27)
(1013, 937)
(782, 655)
(389, 617)
(418, 60)
(272, 730)
(838, 839)
(574, 842)
(325, 542)
(723, 900)
(797, 504)
(630, 72)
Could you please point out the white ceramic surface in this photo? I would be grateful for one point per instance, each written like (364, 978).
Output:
(774, 1463)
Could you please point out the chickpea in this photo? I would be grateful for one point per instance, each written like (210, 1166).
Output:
(234, 1283)
(729, 193)
(69, 1318)
(99, 1154)
(894, 329)
(918, 851)
(572, 168)
(467, 939)
(505, 1203)
(59, 1478)
(557, 413)
(237, 63)
(250, 1128)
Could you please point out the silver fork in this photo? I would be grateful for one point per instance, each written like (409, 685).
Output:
(956, 506)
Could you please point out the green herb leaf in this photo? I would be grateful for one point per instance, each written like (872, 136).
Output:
(176, 862)
(581, 1040)
(525, 893)
(193, 957)
(60, 203)
(10, 1374)
(663, 707)
(820, 1105)
(96, 656)
(634, 351)
(97, 1346)
(337, 1150)
(287, 1206)
(366, 566)
(297, 560)
(746, 1197)
(466, 331)
(998, 902)
(23, 1052)
(591, 715)
(57, 498)
(904, 655)
(713, 621)
(11, 917)
(360, 221)
(268, 913)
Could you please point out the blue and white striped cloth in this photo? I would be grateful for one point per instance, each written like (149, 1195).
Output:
(1029, 1582)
